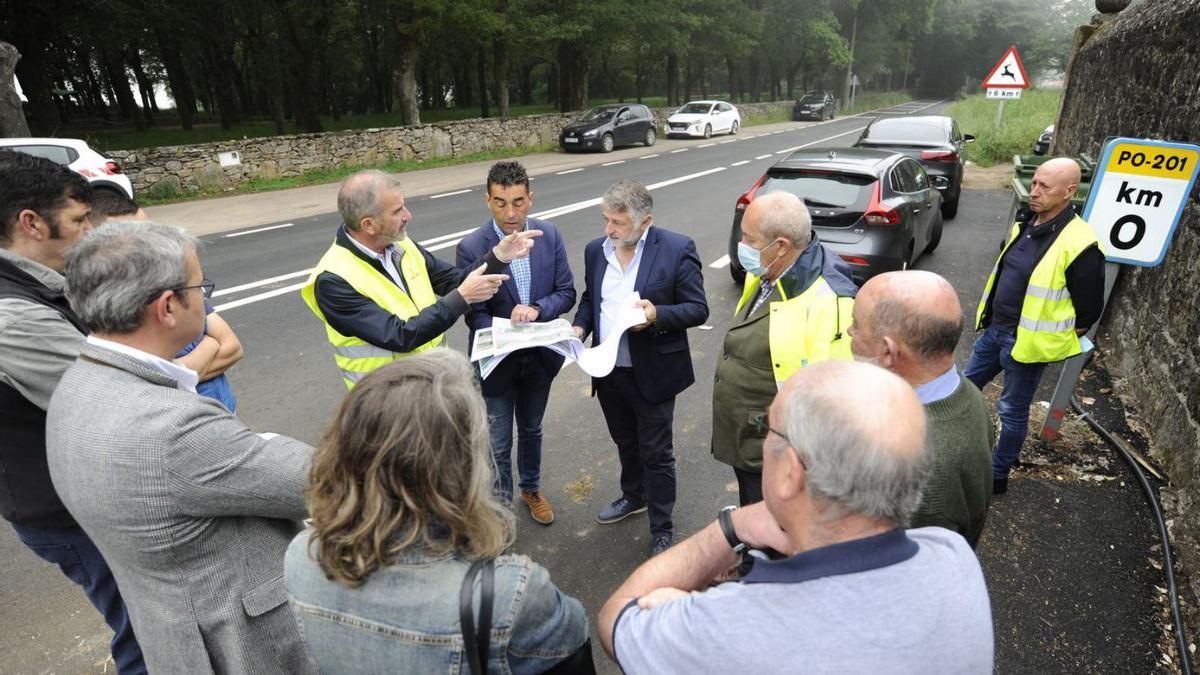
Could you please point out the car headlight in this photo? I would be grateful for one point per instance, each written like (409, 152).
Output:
(590, 134)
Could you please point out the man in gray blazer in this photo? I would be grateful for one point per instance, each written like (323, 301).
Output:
(192, 510)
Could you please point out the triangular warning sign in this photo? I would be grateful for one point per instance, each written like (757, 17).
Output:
(1009, 73)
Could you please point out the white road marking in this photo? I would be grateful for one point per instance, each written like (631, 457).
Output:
(433, 244)
(261, 229)
(563, 173)
(732, 140)
(648, 156)
(450, 194)
(763, 156)
(679, 150)
(820, 140)
(744, 161)
(619, 161)
(706, 145)
(719, 263)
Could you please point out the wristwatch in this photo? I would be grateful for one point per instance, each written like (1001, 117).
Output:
(725, 519)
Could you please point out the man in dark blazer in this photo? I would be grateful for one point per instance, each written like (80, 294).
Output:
(538, 288)
(654, 363)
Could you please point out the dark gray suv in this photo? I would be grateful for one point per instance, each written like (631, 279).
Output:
(608, 126)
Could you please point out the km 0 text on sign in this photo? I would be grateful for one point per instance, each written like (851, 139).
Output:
(1138, 195)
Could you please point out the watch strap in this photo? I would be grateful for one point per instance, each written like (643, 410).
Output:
(725, 519)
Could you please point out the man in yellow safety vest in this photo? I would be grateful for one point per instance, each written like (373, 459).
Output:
(795, 310)
(380, 294)
(1046, 290)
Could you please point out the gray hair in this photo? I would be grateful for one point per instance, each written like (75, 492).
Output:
(785, 216)
(629, 196)
(358, 197)
(859, 450)
(929, 336)
(115, 271)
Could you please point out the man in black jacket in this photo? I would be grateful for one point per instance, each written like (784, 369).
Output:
(43, 211)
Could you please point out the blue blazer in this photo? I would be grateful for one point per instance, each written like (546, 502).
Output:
(669, 276)
(551, 287)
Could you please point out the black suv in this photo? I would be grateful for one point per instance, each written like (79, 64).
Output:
(607, 126)
(815, 105)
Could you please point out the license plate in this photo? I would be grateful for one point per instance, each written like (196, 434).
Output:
(570, 140)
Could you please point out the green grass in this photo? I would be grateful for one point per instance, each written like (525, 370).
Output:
(1023, 121)
(336, 174)
(777, 116)
(873, 100)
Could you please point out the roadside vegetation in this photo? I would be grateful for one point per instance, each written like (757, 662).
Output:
(1024, 119)
(872, 100)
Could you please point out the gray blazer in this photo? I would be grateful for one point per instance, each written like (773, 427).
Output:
(191, 509)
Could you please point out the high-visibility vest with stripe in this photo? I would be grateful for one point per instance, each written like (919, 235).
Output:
(808, 328)
(1046, 327)
(354, 356)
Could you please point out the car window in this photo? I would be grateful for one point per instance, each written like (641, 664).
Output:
(920, 179)
(901, 130)
(54, 153)
(812, 98)
(831, 190)
(725, 107)
(902, 178)
(597, 115)
(624, 115)
(955, 135)
(640, 111)
(695, 109)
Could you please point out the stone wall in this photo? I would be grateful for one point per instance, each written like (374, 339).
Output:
(1136, 76)
(180, 169)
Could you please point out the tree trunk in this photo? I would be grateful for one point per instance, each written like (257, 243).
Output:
(12, 117)
(850, 65)
(118, 78)
(406, 80)
(755, 78)
(144, 83)
(527, 84)
(732, 68)
(481, 77)
(672, 79)
(500, 74)
(177, 80)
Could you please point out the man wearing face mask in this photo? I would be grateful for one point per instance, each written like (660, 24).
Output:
(795, 310)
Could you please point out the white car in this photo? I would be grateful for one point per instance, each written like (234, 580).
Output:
(101, 172)
(703, 119)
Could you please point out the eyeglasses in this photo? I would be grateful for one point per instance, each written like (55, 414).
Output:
(206, 287)
(763, 428)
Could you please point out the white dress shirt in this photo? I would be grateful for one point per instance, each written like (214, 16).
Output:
(184, 376)
(386, 259)
(616, 285)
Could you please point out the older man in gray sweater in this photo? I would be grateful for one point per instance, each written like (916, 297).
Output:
(910, 322)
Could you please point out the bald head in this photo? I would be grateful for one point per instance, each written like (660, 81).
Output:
(908, 322)
(359, 196)
(860, 432)
(1054, 184)
(780, 214)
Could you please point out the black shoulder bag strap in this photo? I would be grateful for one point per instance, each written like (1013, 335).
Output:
(476, 637)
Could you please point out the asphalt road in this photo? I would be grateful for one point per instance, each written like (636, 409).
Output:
(288, 383)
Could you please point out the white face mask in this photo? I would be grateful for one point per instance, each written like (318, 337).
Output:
(751, 259)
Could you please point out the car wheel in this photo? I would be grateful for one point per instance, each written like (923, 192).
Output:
(738, 274)
(950, 206)
(708, 131)
(733, 130)
(606, 143)
(651, 137)
(935, 235)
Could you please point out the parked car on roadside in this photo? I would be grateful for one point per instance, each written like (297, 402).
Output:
(703, 119)
(608, 126)
(874, 208)
(934, 140)
(815, 105)
(101, 172)
(1042, 145)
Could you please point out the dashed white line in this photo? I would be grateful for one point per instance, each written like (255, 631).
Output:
(706, 145)
(717, 264)
(261, 229)
(744, 161)
(619, 161)
(732, 140)
(563, 173)
(763, 156)
(648, 156)
(260, 296)
(450, 194)
(681, 179)
(263, 282)
(679, 150)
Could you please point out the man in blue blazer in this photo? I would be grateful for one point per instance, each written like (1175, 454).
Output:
(654, 363)
(539, 288)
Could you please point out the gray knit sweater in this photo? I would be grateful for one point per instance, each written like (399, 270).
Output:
(960, 487)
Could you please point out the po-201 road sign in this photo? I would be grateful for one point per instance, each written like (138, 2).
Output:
(1138, 194)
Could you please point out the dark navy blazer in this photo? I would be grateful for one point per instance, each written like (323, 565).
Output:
(551, 288)
(669, 276)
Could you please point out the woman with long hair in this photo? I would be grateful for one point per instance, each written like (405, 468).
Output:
(400, 493)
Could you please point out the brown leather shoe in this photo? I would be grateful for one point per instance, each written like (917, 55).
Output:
(539, 507)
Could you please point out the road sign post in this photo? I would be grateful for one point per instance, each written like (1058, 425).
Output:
(1138, 194)
(1006, 81)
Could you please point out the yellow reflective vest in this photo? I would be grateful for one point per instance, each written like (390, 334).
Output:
(804, 329)
(1046, 327)
(354, 356)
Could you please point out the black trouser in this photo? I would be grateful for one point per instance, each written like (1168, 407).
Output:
(642, 432)
(749, 486)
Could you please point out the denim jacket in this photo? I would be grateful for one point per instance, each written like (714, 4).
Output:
(404, 617)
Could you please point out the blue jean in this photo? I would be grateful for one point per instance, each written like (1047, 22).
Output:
(991, 354)
(79, 559)
(525, 399)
